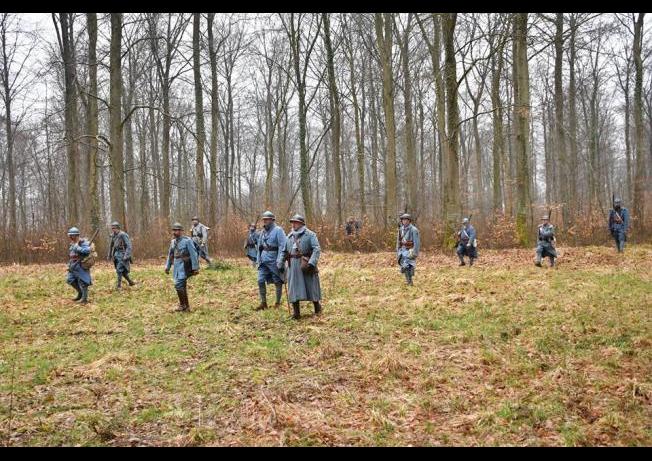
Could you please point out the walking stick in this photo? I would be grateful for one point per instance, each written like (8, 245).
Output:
(287, 298)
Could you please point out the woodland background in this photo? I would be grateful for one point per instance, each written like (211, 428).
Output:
(151, 118)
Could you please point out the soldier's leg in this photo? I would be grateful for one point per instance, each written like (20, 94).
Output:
(72, 281)
(84, 293)
(296, 310)
(552, 260)
(118, 283)
(279, 294)
(539, 253)
(460, 254)
(410, 274)
(128, 279)
(317, 305)
(180, 287)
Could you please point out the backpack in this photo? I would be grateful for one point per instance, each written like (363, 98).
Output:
(88, 261)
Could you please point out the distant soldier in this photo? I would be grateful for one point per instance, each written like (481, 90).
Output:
(78, 277)
(408, 243)
(120, 253)
(352, 227)
(546, 242)
(183, 255)
(269, 259)
(199, 235)
(251, 243)
(302, 252)
(466, 243)
(619, 224)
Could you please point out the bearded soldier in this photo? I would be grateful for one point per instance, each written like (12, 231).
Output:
(183, 255)
(619, 224)
(302, 252)
(78, 277)
(120, 253)
(269, 259)
(251, 243)
(408, 243)
(546, 242)
(199, 235)
(466, 243)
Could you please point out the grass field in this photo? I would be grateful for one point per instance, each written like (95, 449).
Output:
(502, 353)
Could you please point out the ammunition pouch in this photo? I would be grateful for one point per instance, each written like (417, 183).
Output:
(408, 244)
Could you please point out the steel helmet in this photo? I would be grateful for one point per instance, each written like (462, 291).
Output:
(73, 231)
(177, 226)
(268, 215)
(115, 224)
(465, 221)
(298, 218)
(405, 216)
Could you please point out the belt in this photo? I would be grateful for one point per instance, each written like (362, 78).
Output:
(269, 248)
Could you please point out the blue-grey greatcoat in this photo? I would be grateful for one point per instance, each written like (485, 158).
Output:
(183, 255)
(269, 254)
(467, 236)
(302, 286)
(545, 236)
(618, 227)
(199, 235)
(120, 252)
(251, 245)
(407, 234)
(76, 252)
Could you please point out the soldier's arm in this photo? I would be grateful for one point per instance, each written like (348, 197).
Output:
(626, 219)
(316, 250)
(282, 240)
(471, 235)
(168, 263)
(194, 259)
(204, 235)
(417, 242)
(83, 248)
(128, 247)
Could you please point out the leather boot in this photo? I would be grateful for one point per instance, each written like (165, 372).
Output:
(261, 306)
(182, 306)
(186, 303)
(537, 262)
(279, 294)
(471, 261)
(462, 263)
(118, 284)
(129, 281)
(297, 312)
(552, 261)
(75, 285)
(317, 305)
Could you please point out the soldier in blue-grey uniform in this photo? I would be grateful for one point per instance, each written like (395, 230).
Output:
(251, 244)
(545, 242)
(408, 244)
(199, 235)
(302, 253)
(466, 243)
(78, 277)
(120, 252)
(269, 259)
(619, 224)
(183, 255)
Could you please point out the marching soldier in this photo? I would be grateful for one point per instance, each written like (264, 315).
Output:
(466, 243)
(546, 242)
(302, 252)
(183, 255)
(78, 277)
(199, 235)
(269, 259)
(407, 247)
(120, 253)
(619, 224)
(251, 243)
(352, 227)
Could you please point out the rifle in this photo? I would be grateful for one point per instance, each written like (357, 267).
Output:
(93, 237)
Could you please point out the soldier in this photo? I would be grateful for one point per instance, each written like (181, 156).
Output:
(120, 254)
(186, 264)
(78, 277)
(269, 259)
(546, 242)
(251, 243)
(302, 251)
(619, 224)
(352, 227)
(199, 234)
(407, 247)
(466, 243)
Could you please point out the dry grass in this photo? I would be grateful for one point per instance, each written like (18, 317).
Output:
(502, 353)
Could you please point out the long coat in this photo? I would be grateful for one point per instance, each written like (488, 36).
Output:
(269, 254)
(302, 286)
(180, 249)
(545, 237)
(120, 251)
(76, 252)
(618, 229)
(405, 235)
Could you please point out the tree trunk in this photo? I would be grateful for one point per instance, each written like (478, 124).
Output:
(200, 200)
(92, 119)
(411, 176)
(117, 192)
(639, 178)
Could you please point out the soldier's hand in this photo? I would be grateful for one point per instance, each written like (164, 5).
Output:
(468, 245)
(167, 271)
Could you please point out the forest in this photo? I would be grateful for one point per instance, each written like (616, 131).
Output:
(151, 118)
